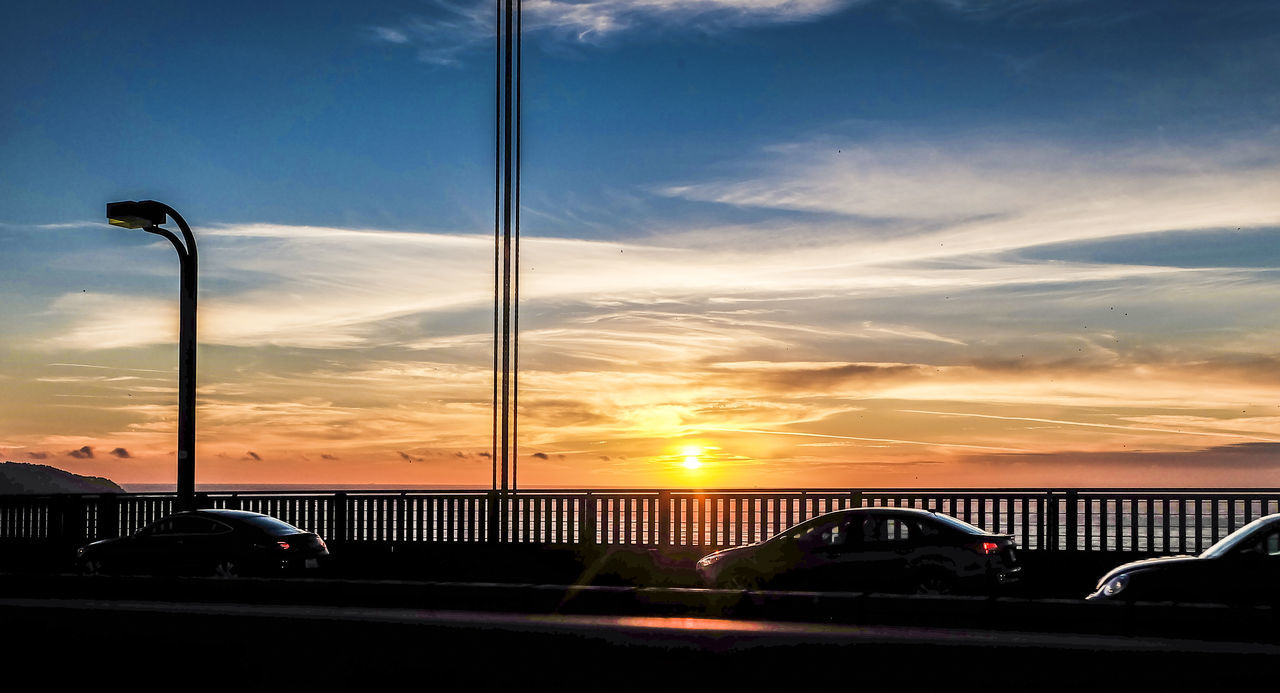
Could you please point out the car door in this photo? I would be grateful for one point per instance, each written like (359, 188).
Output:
(885, 548)
(822, 550)
(1254, 570)
(183, 544)
(206, 543)
(1268, 591)
(158, 548)
(860, 552)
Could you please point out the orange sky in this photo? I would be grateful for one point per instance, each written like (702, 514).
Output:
(833, 373)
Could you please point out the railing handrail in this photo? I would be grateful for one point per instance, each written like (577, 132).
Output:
(915, 491)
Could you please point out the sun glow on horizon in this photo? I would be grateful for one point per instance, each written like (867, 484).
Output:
(692, 457)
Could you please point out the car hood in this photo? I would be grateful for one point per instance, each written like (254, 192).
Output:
(102, 542)
(732, 552)
(1160, 563)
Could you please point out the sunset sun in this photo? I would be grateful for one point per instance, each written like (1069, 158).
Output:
(691, 459)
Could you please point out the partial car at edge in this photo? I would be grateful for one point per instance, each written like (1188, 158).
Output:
(1242, 568)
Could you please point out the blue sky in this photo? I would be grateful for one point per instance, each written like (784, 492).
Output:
(929, 230)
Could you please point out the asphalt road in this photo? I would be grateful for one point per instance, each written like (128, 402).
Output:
(153, 644)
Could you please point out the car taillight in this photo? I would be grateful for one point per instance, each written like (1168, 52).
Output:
(986, 547)
(284, 545)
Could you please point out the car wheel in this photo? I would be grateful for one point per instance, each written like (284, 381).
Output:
(935, 582)
(227, 569)
(741, 579)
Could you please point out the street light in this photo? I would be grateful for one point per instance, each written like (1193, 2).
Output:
(148, 215)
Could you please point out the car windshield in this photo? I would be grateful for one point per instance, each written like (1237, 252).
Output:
(271, 525)
(1231, 541)
(960, 525)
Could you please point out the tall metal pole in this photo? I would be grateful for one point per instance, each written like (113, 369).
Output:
(189, 263)
(506, 259)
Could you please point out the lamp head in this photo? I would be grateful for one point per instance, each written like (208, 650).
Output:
(135, 215)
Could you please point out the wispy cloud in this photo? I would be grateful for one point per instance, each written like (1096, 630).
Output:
(448, 30)
(96, 224)
(972, 195)
(350, 288)
(113, 368)
(868, 440)
(1062, 422)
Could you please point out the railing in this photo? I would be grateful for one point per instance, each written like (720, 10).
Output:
(1144, 520)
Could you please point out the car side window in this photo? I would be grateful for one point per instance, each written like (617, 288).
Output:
(927, 532)
(1271, 544)
(201, 525)
(163, 527)
(823, 534)
(836, 535)
(869, 530)
(897, 530)
(185, 526)
(886, 531)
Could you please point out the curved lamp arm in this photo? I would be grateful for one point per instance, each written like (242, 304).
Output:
(177, 243)
(182, 224)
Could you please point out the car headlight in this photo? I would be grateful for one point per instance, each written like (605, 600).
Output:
(1116, 585)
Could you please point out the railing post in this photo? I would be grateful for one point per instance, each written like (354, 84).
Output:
(664, 518)
(588, 528)
(76, 517)
(202, 501)
(64, 512)
(855, 499)
(492, 520)
(401, 502)
(1051, 527)
(340, 517)
(1073, 518)
(108, 516)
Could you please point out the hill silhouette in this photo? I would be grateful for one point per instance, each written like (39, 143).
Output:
(39, 479)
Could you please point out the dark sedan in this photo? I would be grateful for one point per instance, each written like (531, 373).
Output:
(1242, 568)
(871, 549)
(208, 542)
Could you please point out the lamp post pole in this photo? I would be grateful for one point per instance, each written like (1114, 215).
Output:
(148, 215)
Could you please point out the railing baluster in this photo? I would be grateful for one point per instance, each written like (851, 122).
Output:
(1215, 536)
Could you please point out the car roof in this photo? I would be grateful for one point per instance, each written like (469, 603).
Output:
(889, 511)
(226, 515)
(224, 512)
(877, 510)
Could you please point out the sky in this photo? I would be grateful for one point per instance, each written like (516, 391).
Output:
(765, 243)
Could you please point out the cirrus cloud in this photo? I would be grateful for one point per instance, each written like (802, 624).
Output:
(448, 30)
